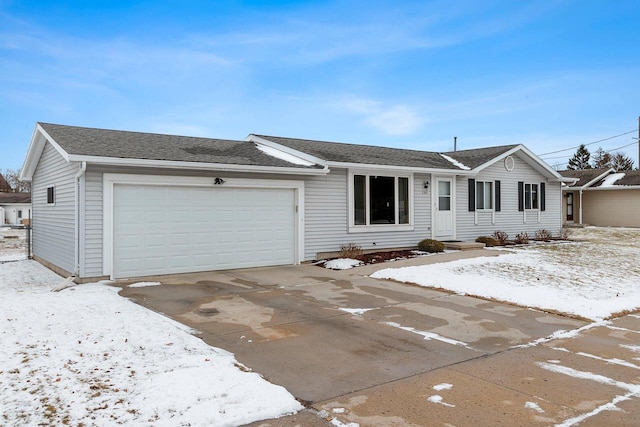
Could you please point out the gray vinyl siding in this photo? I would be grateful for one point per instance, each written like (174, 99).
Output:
(326, 217)
(93, 223)
(509, 219)
(54, 225)
(92, 265)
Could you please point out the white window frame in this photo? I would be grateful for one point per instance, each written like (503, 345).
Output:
(484, 197)
(367, 227)
(530, 199)
(53, 187)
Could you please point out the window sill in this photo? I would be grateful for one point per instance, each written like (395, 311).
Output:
(380, 228)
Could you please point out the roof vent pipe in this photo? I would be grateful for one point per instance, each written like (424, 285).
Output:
(455, 143)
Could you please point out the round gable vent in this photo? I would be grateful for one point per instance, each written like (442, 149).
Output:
(509, 163)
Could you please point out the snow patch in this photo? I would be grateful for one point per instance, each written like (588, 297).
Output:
(634, 348)
(428, 335)
(443, 386)
(455, 162)
(633, 388)
(270, 151)
(342, 263)
(356, 311)
(144, 284)
(610, 180)
(534, 406)
(438, 399)
(13, 257)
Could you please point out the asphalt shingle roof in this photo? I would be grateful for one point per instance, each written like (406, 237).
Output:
(150, 146)
(584, 176)
(369, 154)
(630, 178)
(84, 141)
(479, 156)
(15, 198)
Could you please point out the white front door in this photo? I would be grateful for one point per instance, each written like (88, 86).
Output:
(444, 204)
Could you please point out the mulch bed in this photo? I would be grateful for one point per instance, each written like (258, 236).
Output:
(378, 257)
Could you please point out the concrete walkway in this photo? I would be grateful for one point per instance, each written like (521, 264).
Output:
(377, 352)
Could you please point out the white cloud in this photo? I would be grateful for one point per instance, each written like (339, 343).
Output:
(390, 119)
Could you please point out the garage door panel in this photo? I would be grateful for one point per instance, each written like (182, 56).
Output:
(164, 230)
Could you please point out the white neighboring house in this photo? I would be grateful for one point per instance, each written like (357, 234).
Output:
(15, 208)
(119, 204)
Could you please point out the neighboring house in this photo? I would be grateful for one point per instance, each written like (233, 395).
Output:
(4, 185)
(602, 197)
(115, 204)
(15, 208)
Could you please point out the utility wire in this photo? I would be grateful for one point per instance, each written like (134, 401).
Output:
(604, 151)
(590, 143)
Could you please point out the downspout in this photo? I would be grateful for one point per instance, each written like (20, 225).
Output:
(79, 174)
(581, 206)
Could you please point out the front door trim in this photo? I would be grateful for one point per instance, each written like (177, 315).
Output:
(435, 210)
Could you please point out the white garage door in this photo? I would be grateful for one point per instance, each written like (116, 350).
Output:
(166, 230)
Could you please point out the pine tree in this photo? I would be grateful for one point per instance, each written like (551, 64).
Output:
(620, 162)
(580, 160)
(602, 159)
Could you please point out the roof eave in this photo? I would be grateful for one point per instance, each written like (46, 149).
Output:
(614, 187)
(39, 139)
(172, 164)
(346, 165)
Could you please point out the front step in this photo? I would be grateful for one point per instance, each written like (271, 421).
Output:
(463, 246)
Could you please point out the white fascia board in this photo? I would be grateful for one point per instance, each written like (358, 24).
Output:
(569, 180)
(598, 178)
(614, 187)
(533, 160)
(39, 139)
(365, 166)
(292, 152)
(171, 164)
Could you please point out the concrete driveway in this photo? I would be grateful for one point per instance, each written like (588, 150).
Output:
(377, 352)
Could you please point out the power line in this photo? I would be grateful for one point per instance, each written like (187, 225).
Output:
(590, 143)
(624, 146)
(605, 151)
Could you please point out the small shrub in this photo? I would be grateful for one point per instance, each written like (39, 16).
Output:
(430, 245)
(488, 241)
(563, 233)
(543, 234)
(501, 237)
(522, 238)
(350, 250)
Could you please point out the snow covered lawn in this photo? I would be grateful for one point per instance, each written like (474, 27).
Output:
(594, 278)
(86, 356)
(13, 244)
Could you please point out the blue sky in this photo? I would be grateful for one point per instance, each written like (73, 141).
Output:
(548, 74)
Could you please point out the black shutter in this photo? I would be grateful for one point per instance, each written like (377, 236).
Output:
(472, 195)
(496, 189)
(542, 197)
(520, 196)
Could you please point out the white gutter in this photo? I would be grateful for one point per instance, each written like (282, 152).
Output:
(401, 168)
(172, 164)
(79, 174)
